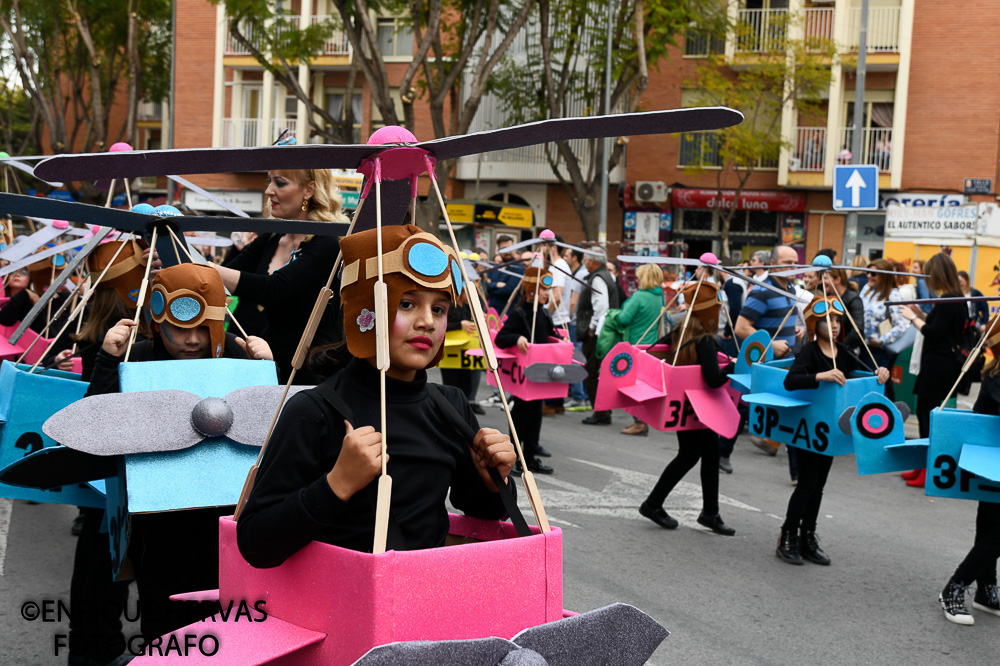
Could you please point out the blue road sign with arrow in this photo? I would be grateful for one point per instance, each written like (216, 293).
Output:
(855, 187)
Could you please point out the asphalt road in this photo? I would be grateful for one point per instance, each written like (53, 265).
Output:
(725, 600)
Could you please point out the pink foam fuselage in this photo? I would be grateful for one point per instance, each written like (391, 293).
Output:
(513, 362)
(360, 600)
(655, 391)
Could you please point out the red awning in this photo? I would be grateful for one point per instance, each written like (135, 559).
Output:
(763, 200)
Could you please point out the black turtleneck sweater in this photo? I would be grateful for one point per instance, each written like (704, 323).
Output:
(292, 504)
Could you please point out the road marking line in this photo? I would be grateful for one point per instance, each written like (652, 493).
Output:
(6, 506)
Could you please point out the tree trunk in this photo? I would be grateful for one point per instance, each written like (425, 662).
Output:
(134, 72)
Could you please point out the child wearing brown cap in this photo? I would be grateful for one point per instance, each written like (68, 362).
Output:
(175, 551)
(318, 477)
(517, 332)
(821, 360)
(695, 344)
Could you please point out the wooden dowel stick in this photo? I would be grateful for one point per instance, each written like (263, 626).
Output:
(969, 361)
(687, 318)
(142, 296)
(489, 353)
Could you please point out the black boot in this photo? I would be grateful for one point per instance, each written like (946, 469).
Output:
(788, 546)
(809, 547)
(714, 523)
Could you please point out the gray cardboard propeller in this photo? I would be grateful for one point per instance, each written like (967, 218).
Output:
(617, 634)
(132, 164)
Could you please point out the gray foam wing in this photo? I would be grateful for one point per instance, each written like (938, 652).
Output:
(476, 652)
(253, 408)
(616, 634)
(120, 423)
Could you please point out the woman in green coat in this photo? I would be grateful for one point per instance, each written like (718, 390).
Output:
(640, 315)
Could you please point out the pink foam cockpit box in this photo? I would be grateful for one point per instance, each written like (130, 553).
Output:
(490, 583)
(513, 363)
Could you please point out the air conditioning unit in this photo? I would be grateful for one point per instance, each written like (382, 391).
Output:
(651, 191)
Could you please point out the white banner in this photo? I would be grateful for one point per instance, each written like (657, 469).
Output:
(931, 222)
(249, 201)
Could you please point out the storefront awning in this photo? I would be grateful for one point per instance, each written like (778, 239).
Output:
(490, 212)
(772, 201)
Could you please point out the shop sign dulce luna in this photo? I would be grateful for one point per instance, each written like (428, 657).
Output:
(763, 200)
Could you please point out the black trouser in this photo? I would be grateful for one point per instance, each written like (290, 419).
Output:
(527, 417)
(174, 552)
(930, 393)
(726, 444)
(593, 368)
(980, 564)
(803, 506)
(96, 601)
(692, 446)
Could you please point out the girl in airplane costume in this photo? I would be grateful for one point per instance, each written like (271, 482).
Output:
(697, 345)
(318, 477)
(814, 364)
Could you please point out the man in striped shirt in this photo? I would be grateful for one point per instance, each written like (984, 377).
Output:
(766, 309)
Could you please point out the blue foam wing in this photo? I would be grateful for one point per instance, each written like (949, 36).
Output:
(774, 400)
(982, 461)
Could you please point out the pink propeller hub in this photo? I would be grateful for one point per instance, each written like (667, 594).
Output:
(391, 134)
(119, 147)
(60, 224)
(709, 258)
(547, 234)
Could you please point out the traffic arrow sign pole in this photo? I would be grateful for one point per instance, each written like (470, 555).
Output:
(854, 184)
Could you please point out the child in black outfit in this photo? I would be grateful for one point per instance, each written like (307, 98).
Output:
(175, 551)
(516, 332)
(814, 364)
(318, 478)
(980, 565)
(698, 346)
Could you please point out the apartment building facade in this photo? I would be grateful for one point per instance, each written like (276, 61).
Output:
(931, 120)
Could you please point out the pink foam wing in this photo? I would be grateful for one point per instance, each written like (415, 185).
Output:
(641, 391)
(715, 409)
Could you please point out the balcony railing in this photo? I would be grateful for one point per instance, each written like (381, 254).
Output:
(809, 151)
(338, 44)
(240, 132)
(818, 23)
(876, 147)
(883, 29)
(763, 30)
(236, 48)
(278, 125)
(701, 149)
(150, 111)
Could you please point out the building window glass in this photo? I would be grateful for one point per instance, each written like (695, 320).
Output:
(394, 38)
(702, 43)
(377, 120)
(335, 107)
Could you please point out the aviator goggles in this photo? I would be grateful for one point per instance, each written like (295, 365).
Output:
(819, 308)
(420, 258)
(183, 307)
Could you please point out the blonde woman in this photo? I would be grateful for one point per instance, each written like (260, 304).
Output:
(283, 273)
(638, 315)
